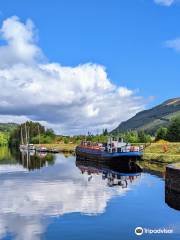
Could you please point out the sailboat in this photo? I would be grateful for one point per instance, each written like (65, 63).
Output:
(25, 145)
(41, 149)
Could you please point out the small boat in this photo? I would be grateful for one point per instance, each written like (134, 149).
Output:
(112, 150)
(53, 150)
(27, 147)
(41, 149)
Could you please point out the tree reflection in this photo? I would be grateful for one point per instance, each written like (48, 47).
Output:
(28, 159)
(32, 160)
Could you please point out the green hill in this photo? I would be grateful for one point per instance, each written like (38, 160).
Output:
(150, 120)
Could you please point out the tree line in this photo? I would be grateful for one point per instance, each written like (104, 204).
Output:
(30, 131)
(38, 134)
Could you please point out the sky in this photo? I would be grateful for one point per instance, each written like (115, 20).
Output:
(79, 66)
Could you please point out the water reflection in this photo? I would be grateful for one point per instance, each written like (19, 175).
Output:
(115, 175)
(30, 199)
(11, 159)
(172, 198)
(172, 186)
(32, 160)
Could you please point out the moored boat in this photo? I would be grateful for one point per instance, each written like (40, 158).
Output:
(25, 145)
(112, 150)
(41, 149)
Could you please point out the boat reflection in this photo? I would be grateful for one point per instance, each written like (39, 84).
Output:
(13, 160)
(35, 160)
(53, 192)
(115, 175)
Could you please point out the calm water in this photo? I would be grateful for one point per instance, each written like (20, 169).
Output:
(55, 197)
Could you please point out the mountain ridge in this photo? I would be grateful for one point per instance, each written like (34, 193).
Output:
(151, 119)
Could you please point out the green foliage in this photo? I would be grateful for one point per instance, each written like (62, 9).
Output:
(143, 137)
(135, 137)
(173, 131)
(66, 140)
(4, 137)
(7, 127)
(105, 132)
(161, 133)
(131, 137)
(33, 128)
(50, 133)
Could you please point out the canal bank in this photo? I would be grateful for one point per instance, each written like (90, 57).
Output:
(152, 153)
(172, 186)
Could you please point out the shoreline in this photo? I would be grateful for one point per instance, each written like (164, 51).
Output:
(60, 147)
(153, 153)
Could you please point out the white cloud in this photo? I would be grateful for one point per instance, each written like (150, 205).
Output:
(20, 42)
(174, 44)
(166, 3)
(69, 99)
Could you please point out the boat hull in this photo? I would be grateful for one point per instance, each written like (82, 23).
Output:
(98, 155)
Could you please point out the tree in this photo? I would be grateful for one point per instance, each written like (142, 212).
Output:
(173, 132)
(105, 132)
(50, 133)
(131, 137)
(161, 133)
(33, 128)
(143, 137)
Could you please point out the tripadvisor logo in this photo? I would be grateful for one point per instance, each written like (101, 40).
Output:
(139, 231)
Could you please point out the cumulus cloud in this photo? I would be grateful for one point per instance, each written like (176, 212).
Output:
(166, 3)
(20, 42)
(69, 99)
(174, 44)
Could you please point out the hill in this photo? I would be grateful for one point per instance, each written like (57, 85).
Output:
(150, 120)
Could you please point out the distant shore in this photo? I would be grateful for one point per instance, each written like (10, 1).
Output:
(152, 153)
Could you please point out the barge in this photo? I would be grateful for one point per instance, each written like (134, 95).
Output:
(112, 150)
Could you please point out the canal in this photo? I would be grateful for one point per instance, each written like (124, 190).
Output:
(56, 197)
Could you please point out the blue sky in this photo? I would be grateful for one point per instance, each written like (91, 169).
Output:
(127, 37)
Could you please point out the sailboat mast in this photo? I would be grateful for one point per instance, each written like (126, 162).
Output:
(22, 141)
(39, 133)
(26, 134)
(28, 129)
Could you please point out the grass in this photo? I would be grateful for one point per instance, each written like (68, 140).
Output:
(155, 152)
(153, 166)
(178, 165)
(61, 147)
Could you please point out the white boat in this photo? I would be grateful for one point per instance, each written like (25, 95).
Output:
(25, 145)
(41, 149)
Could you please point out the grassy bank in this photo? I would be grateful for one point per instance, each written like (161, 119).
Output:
(61, 147)
(155, 152)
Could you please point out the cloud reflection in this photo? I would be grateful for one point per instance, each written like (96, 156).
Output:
(26, 199)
